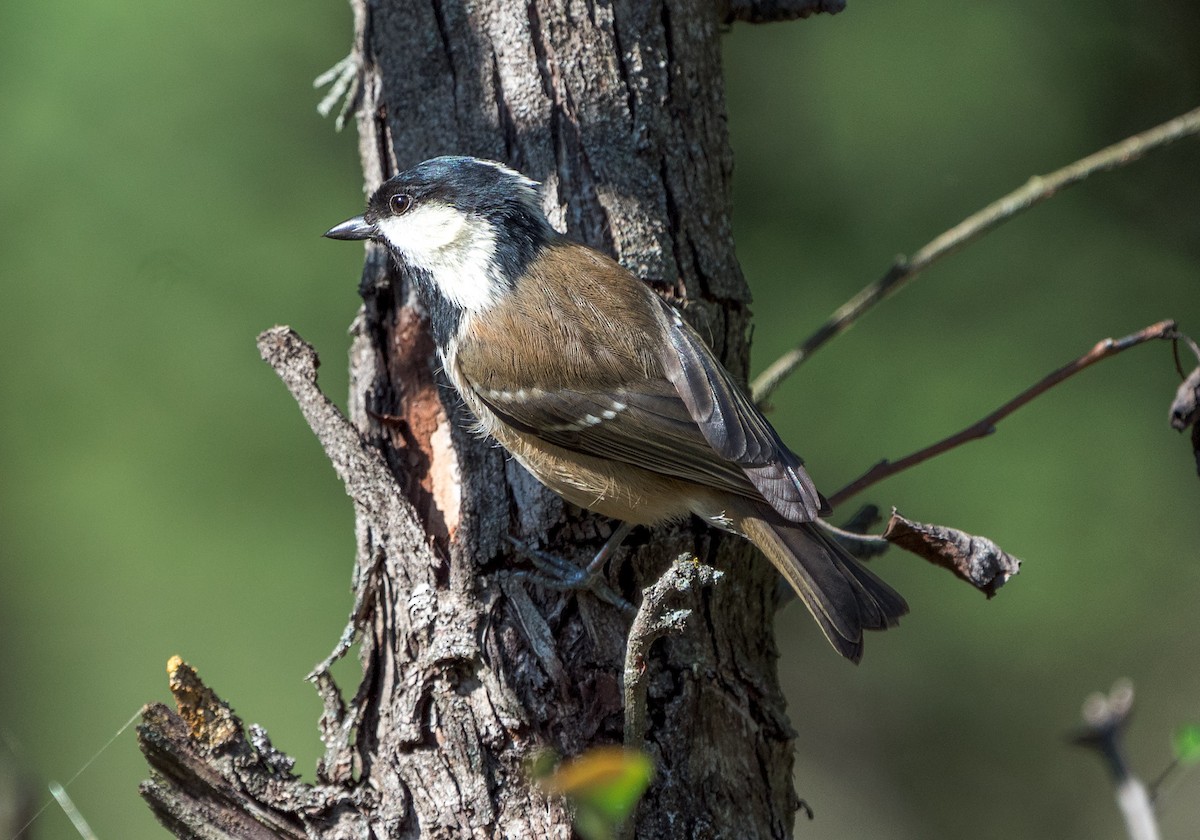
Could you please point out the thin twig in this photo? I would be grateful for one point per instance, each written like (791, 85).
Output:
(984, 427)
(1159, 785)
(1035, 191)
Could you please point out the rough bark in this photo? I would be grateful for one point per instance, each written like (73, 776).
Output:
(619, 109)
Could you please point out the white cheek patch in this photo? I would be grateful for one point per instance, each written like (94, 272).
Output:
(423, 231)
(456, 249)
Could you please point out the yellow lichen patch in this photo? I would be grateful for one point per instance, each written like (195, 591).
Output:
(209, 719)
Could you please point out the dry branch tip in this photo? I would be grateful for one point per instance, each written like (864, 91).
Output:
(977, 560)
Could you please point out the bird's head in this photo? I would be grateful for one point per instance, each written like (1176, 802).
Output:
(468, 228)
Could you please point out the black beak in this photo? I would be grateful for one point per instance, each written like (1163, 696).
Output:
(356, 228)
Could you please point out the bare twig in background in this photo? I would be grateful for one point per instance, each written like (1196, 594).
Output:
(1104, 719)
(1036, 190)
(1158, 788)
(1192, 345)
(984, 427)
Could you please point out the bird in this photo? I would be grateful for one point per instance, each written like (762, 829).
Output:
(600, 388)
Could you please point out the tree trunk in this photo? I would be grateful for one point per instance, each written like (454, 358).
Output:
(618, 108)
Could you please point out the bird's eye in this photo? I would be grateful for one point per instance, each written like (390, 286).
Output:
(400, 203)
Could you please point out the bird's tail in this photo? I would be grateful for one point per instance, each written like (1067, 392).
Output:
(843, 595)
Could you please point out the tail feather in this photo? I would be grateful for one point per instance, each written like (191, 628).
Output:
(843, 595)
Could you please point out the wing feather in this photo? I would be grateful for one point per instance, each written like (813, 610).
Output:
(734, 426)
(644, 424)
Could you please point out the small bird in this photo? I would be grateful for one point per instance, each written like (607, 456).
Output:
(599, 388)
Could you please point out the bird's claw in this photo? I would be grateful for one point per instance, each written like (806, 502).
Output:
(554, 572)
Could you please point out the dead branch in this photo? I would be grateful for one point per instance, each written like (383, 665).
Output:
(982, 428)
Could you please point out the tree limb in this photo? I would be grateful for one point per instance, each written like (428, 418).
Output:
(211, 782)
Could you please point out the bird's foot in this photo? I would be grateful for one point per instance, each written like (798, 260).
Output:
(554, 572)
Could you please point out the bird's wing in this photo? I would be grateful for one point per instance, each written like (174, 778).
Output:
(734, 427)
(642, 423)
(693, 424)
(631, 382)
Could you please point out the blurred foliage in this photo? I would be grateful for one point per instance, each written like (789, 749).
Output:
(603, 785)
(163, 186)
(1186, 743)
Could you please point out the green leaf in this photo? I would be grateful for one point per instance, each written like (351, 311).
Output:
(1186, 742)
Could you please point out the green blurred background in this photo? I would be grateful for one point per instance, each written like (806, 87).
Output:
(163, 185)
